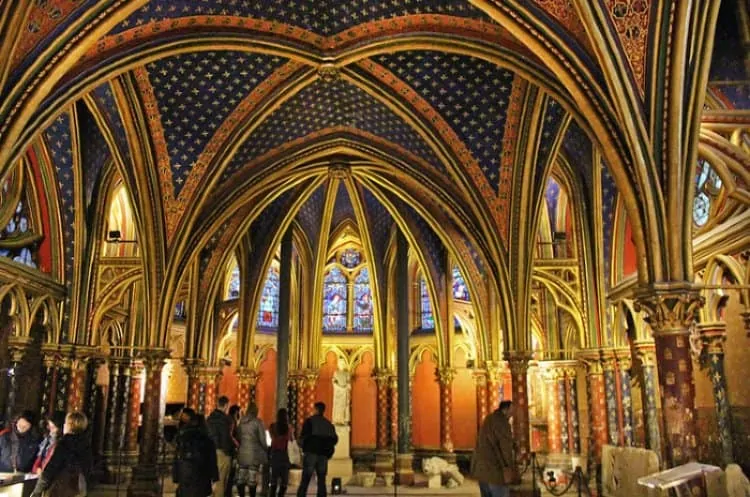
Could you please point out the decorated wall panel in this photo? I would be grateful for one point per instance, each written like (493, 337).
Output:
(425, 404)
(364, 404)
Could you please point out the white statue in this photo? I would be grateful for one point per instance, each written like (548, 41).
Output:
(342, 392)
(433, 466)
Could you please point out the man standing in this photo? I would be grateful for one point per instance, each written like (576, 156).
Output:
(220, 432)
(195, 468)
(317, 441)
(493, 462)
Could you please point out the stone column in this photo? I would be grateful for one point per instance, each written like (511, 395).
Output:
(393, 392)
(78, 385)
(384, 449)
(134, 408)
(311, 382)
(519, 367)
(282, 341)
(403, 351)
(597, 403)
(713, 336)
(63, 380)
(115, 406)
(609, 366)
(445, 377)
(670, 314)
(293, 396)
(209, 378)
(145, 482)
(194, 397)
(480, 383)
(646, 353)
(495, 373)
(554, 409)
(247, 379)
(626, 398)
(571, 393)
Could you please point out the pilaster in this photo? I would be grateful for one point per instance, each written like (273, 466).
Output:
(445, 376)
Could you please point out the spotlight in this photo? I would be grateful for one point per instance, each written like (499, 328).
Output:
(336, 486)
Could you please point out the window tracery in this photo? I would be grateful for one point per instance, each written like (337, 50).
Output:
(18, 241)
(268, 310)
(335, 300)
(460, 290)
(362, 302)
(427, 318)
(708, 186)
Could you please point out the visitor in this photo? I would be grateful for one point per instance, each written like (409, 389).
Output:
(220, 430)
(55, 424)
(19, 444)
(317, 440)
(234, 417)
(69, 467)
(195, 470)
(279, 460)
(253, 451)
(493, 462)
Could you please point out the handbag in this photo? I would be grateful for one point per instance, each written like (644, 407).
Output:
(294, 452)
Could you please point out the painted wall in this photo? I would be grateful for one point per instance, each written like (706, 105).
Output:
(364, 404)
(324, 388)
(265, 390)
(464, 410)
(426, 404)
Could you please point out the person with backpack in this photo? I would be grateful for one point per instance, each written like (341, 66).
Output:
(318, 441)
(195, 470)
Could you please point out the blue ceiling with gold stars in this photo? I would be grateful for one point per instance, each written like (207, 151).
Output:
(310, 215)
(322, 17)
(196, 92)
(342, 207)
(471, 94)
(95, 152)
(323, 105)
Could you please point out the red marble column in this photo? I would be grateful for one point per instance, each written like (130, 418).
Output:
(480, 382)
(210, 377)
(494, 382)
(445, 379)
(78, 379)
(383, 439)
(554, 428)
(671, 314)
(394, 408)
(134, 407)
(145, 481)
(519, 366)
(194, 384)
(246, 380)
(311, 381)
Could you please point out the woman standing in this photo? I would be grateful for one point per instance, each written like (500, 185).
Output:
(55, 425)
(280, 437)
(234, 416)
(253, 451)
(66, 471)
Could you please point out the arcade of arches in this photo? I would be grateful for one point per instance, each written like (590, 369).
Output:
(456, 201)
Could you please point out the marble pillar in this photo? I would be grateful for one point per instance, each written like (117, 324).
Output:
(645, 351)
(519, 367)
(597, 403)
(713, 336)
(671, 313)
(445, 376)
(625, 396)
(480, 384)
(145, 481)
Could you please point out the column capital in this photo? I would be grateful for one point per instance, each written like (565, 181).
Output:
(591, 360)
(609, 360)
(310, 377)
(193, 365)
(480, 377)
(713, 336)
(645, 350)
(382, 376)
(518, 360)
(624, 358)
(445, 375)
(154, 359)
(247, 376)
(670, 309)
(495, 370)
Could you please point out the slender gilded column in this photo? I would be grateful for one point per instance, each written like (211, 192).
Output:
(62, 381)
(394, 408)
(670, 314)
(554, 409)
(571, 393)
(293, 396)
(383, 381)
(282, 341)
(78, 385)
(114, 407)
(247, 379)
(403, 350)
(562, 400)
(480, 384)
(519, 367)
(626, 398)
(495, 372)
(145, 482)
(445, 379)
(194, 389)
(597, 402)
(609, 366)
(134, 407)
(713, 336)
(646, 353)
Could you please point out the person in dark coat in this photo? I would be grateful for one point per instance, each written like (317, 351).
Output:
(279, 459)
(69, 467)
(195, 470)
(318, 441)
(234, 416)
(494, 454)
(19, 445)
(55, 425)
(253, 451)
(220, 431)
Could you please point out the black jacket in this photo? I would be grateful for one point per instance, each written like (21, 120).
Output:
(71, 460)
(23, 446)
(318, 436)
(220, 431)
(195, 467)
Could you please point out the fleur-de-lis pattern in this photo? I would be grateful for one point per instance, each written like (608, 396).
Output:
(610, 387)
(322, 17)
(195, 92)
(721, 400)
(650, 414)
(471, 94)
(380, 222)
(323, 105)
(94, 151)
(107, 105)
(627, 406)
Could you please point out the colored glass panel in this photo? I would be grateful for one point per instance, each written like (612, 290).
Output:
(268, 312)
(425, 307)
(233, 289)
(707, 188)
(179, 311)
(362, 302)
(350, 258)
(334, 301)
(460, 290)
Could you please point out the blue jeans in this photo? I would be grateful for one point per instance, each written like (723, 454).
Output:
(313, 463)
(489, 490)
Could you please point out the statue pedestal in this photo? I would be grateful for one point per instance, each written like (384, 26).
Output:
(341, 465)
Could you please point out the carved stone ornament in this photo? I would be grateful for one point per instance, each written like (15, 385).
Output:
(670, 312)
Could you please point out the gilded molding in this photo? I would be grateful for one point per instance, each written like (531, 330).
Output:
(669, 311)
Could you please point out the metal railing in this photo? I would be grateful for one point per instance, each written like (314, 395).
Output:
(577, 480)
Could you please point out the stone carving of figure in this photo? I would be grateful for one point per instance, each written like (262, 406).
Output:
(342, 391)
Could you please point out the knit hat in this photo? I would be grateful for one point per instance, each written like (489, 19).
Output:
(57, 418)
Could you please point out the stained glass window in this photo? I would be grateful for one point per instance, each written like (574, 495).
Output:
(179, 311)
(362, 302)
(268, 312)
(460, 290)
(707, 187)
(233, 289)
(334, 301)
(18, 230)
(350, 258)
(425, 306)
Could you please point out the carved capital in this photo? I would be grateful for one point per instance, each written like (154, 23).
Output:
(609, 361)
(669, 311)
(311, 378)
(646, 352)
(445, 375)
(154, 360)
(591, 359)
(495, 370)
(247, 376)
(480, 377)
(518, 361)
(712, 337)
(383, 377)
(624, 359)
